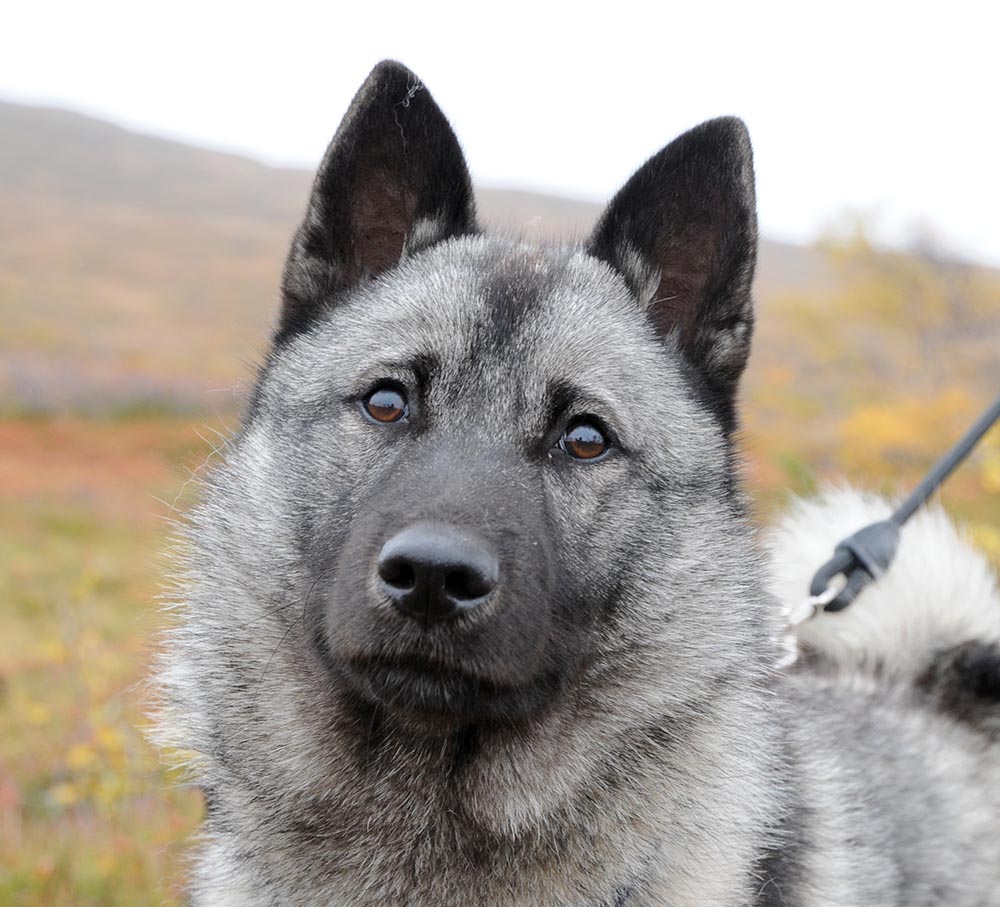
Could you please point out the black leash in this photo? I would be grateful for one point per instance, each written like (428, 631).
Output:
(863, 557)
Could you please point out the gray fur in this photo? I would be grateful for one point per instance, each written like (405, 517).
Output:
(671, 765)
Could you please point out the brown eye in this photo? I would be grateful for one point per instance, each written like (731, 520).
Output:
(584, 441)
(386, 404)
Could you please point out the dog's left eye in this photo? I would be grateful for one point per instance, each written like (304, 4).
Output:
(386, 404)
(584, 441)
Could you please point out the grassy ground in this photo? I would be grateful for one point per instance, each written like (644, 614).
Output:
(87, 814)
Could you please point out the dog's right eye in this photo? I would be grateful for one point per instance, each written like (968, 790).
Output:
(386, 404)
(584, 441)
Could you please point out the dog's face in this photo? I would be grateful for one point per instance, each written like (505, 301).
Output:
(480, 473)
(478, 434)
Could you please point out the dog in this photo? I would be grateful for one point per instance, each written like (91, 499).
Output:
(473, 611)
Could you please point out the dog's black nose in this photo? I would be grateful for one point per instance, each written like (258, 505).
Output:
(432, 571)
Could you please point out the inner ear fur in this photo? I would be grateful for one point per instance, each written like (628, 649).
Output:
(392, 181)
(683, 233)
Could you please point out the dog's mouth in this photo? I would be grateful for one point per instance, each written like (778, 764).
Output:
(426, 688)
(419, 683)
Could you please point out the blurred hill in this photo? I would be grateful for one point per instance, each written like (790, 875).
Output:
(137, 271)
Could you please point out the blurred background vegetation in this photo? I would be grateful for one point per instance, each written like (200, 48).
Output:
(137, 288)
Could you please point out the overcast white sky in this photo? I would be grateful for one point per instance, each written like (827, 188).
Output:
(890, 109)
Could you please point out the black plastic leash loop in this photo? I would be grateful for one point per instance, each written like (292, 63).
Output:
(863, 557)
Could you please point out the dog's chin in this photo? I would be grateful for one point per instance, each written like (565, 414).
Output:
(436, 696)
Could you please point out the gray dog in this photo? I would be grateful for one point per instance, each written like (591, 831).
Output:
(473, 614)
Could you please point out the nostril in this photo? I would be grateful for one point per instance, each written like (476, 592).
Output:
(433, 571)
(398, 573)
(467, 585)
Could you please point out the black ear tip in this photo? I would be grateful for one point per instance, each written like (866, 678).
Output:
(725, 132)
(392, 72)
(734, 126)
(726, 135)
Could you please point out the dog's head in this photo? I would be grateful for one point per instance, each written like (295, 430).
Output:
(478, 476)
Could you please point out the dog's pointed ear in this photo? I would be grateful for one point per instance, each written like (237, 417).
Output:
(393, 181)
(683, 234)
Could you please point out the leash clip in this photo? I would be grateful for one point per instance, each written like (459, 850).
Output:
(807, 610)
(861, 558)
(813, 604)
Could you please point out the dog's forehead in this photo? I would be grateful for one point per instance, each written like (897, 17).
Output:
(499, 306)
(503, 327)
